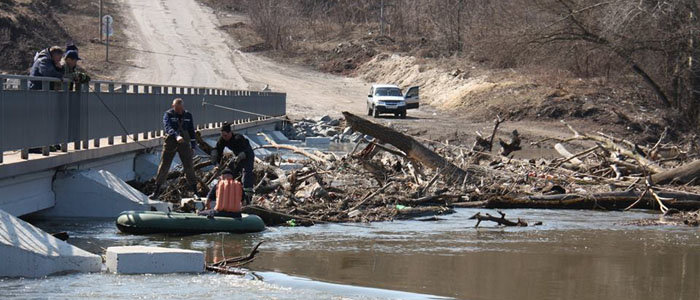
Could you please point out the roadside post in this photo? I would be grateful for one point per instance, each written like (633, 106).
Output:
(108, 31)
(100, 21)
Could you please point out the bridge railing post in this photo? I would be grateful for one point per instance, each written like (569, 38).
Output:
(66, 95)
(2, 87)
(24, 86)
(135, 135)
(85, 116)
(97, 89)
(124, 89)
(110, 138)
(154, 92)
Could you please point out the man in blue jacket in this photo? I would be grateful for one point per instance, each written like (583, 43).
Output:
(47, 63)
(179, 138)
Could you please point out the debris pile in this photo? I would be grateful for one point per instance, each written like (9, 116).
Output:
(393, 176)
(325, 126)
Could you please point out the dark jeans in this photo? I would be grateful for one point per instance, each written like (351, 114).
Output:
(170, 147)
(245, 170)
(215, 213)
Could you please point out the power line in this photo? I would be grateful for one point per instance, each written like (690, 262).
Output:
(123, 127)
(204, 102)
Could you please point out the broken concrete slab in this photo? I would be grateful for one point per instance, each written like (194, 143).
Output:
(27, 251)
(153, 260)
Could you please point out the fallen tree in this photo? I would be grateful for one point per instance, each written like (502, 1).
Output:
(605, 201)
(685, 174)
(413, 149)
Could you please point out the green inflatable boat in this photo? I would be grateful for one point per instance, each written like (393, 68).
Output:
(145, 222)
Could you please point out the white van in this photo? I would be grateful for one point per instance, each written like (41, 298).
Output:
(388, 98)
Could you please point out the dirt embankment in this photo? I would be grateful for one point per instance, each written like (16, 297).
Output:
(27, 26)
(481, 94)
(456, 85)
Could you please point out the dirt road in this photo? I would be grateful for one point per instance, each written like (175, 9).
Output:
(179, 43)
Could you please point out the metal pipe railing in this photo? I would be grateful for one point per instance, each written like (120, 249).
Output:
(105, 109)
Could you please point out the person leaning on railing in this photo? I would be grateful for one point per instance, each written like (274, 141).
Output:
(47, 63)
(72, 72)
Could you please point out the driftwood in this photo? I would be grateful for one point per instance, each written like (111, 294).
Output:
(231, 265)
(497, 122)
(370, 196)
(413, 149)
(273, 218)
(569, 157)
(423, 211)
(202, 144)
(500, 220)
(512, 145)
(486, 145)
(610, 144)
(434, 199)
(608, 201)
(685, 174)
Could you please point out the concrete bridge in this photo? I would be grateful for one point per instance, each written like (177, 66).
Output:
(69, 154)
(108, 126)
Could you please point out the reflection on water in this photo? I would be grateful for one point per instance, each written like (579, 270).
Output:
(575, 254)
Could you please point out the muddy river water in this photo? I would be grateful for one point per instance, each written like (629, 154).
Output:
(573, 255)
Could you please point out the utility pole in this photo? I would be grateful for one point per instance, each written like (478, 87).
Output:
(100, 20)
(381, 18)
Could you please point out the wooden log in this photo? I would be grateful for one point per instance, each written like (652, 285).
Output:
(424, 211)
(370, 196)
(430, 200)
(240, 260)
(203, 144)
(499, 220)
(687, 173)
(568, 155)
(512, 145)
(608, 201)
(497, 122)
(273, 218)
(413, 149)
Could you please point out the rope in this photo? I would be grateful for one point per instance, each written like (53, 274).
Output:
(204, 102)
(123, 127)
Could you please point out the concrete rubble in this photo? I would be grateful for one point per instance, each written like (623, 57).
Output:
(153, 260)
(27, 251)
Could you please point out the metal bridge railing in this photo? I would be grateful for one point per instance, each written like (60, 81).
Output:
(41, 118)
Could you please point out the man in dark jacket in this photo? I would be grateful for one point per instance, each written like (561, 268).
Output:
(47, 63)
(179, 138)
(243, 159)
(72, 72)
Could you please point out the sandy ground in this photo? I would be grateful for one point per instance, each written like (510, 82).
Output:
(179, 42)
